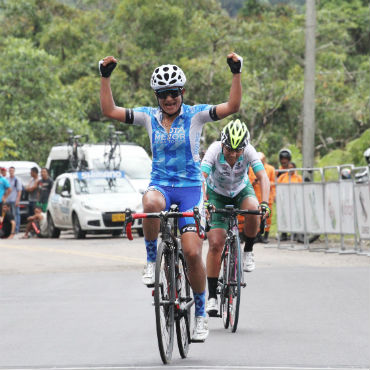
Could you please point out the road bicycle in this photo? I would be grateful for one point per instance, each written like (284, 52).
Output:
(76, 162)
(112, 151)
(173, 299)
(231, 278)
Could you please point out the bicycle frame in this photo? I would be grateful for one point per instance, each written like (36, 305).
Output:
(172, 294)
(232, 276)
(75, 163)
(112, 153)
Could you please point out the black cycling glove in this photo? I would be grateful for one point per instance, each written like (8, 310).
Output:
(105, 71)
(235, 67)
(265, 208)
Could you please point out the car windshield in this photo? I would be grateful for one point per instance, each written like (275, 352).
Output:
(102, 185)
(135, 168)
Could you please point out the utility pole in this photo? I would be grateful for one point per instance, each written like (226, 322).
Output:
(309, 87)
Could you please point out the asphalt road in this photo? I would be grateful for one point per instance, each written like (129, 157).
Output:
(80, 304)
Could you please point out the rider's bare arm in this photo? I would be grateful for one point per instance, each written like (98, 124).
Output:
(235, 97)
(265, 185)
(108, 107)
(204, 185)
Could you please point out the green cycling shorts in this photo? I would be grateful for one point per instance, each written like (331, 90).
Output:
(220, 201)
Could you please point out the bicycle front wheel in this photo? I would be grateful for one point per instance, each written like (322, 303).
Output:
(183, 312)
(164, 300)
(224, 290)
(234, 287)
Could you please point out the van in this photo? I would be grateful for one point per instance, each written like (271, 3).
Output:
(22, 172)
(131, 158)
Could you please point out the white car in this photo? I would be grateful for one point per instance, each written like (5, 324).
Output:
(132, 159)
(92, 202)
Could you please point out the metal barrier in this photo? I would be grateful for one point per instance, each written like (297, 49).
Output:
(325, 203)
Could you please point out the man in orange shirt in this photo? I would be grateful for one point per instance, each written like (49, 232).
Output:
(270, 171)
(290, 176)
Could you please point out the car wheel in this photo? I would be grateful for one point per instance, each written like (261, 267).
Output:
(77, 231)
(53, 232)
(140, 232)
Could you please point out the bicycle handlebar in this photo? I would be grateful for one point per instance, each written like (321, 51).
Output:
(163, 214)
(235, 211)
(168, 214)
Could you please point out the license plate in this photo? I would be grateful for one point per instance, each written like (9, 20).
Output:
(118, 217)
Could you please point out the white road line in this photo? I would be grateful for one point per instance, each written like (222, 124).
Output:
(190, 367)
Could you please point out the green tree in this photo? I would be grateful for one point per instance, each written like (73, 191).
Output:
(35, 107)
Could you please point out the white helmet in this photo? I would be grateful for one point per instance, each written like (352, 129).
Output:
(167, 76)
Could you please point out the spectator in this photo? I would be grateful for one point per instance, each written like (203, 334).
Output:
(270, 171)
(290, 176)
(45, 185)
(7, 223)
(285, 156)
(32, 189)
(4, 188)
(37, 224)
(15, 196)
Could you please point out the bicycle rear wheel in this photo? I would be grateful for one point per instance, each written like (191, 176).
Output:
(183, 312)
(234, 287)
(164, 297)
(224, 291)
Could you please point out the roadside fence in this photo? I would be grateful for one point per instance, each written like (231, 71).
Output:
(325, 203)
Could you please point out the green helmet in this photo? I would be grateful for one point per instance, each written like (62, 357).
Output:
(235, 135)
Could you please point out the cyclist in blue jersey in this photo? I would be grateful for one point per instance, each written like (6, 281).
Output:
(174, 130)
(225, 167)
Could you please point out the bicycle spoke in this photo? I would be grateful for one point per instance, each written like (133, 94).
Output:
(234, 289)
(183, 318)
(224, 295)
(164, 302)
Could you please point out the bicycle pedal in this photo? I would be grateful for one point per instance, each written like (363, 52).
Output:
(150, 286)
(243, 285)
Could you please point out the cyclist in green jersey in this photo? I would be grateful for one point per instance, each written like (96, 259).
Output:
(225, 168)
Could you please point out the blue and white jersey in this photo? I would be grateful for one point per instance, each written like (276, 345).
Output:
(224, 179)
(176, 160)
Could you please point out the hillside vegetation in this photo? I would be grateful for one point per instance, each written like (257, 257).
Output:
(49, 81)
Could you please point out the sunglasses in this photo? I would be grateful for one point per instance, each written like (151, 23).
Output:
(174, 93)
(230, 150)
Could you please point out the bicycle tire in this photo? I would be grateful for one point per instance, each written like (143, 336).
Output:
(164, 296)
(224, 295)
(183, 319)
(234, 288)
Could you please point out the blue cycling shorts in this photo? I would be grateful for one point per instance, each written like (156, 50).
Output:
(186, 198)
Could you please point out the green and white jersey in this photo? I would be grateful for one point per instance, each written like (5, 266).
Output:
(227, 180)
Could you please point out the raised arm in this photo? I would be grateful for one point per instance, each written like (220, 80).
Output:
(233, 104)
(108, 107)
